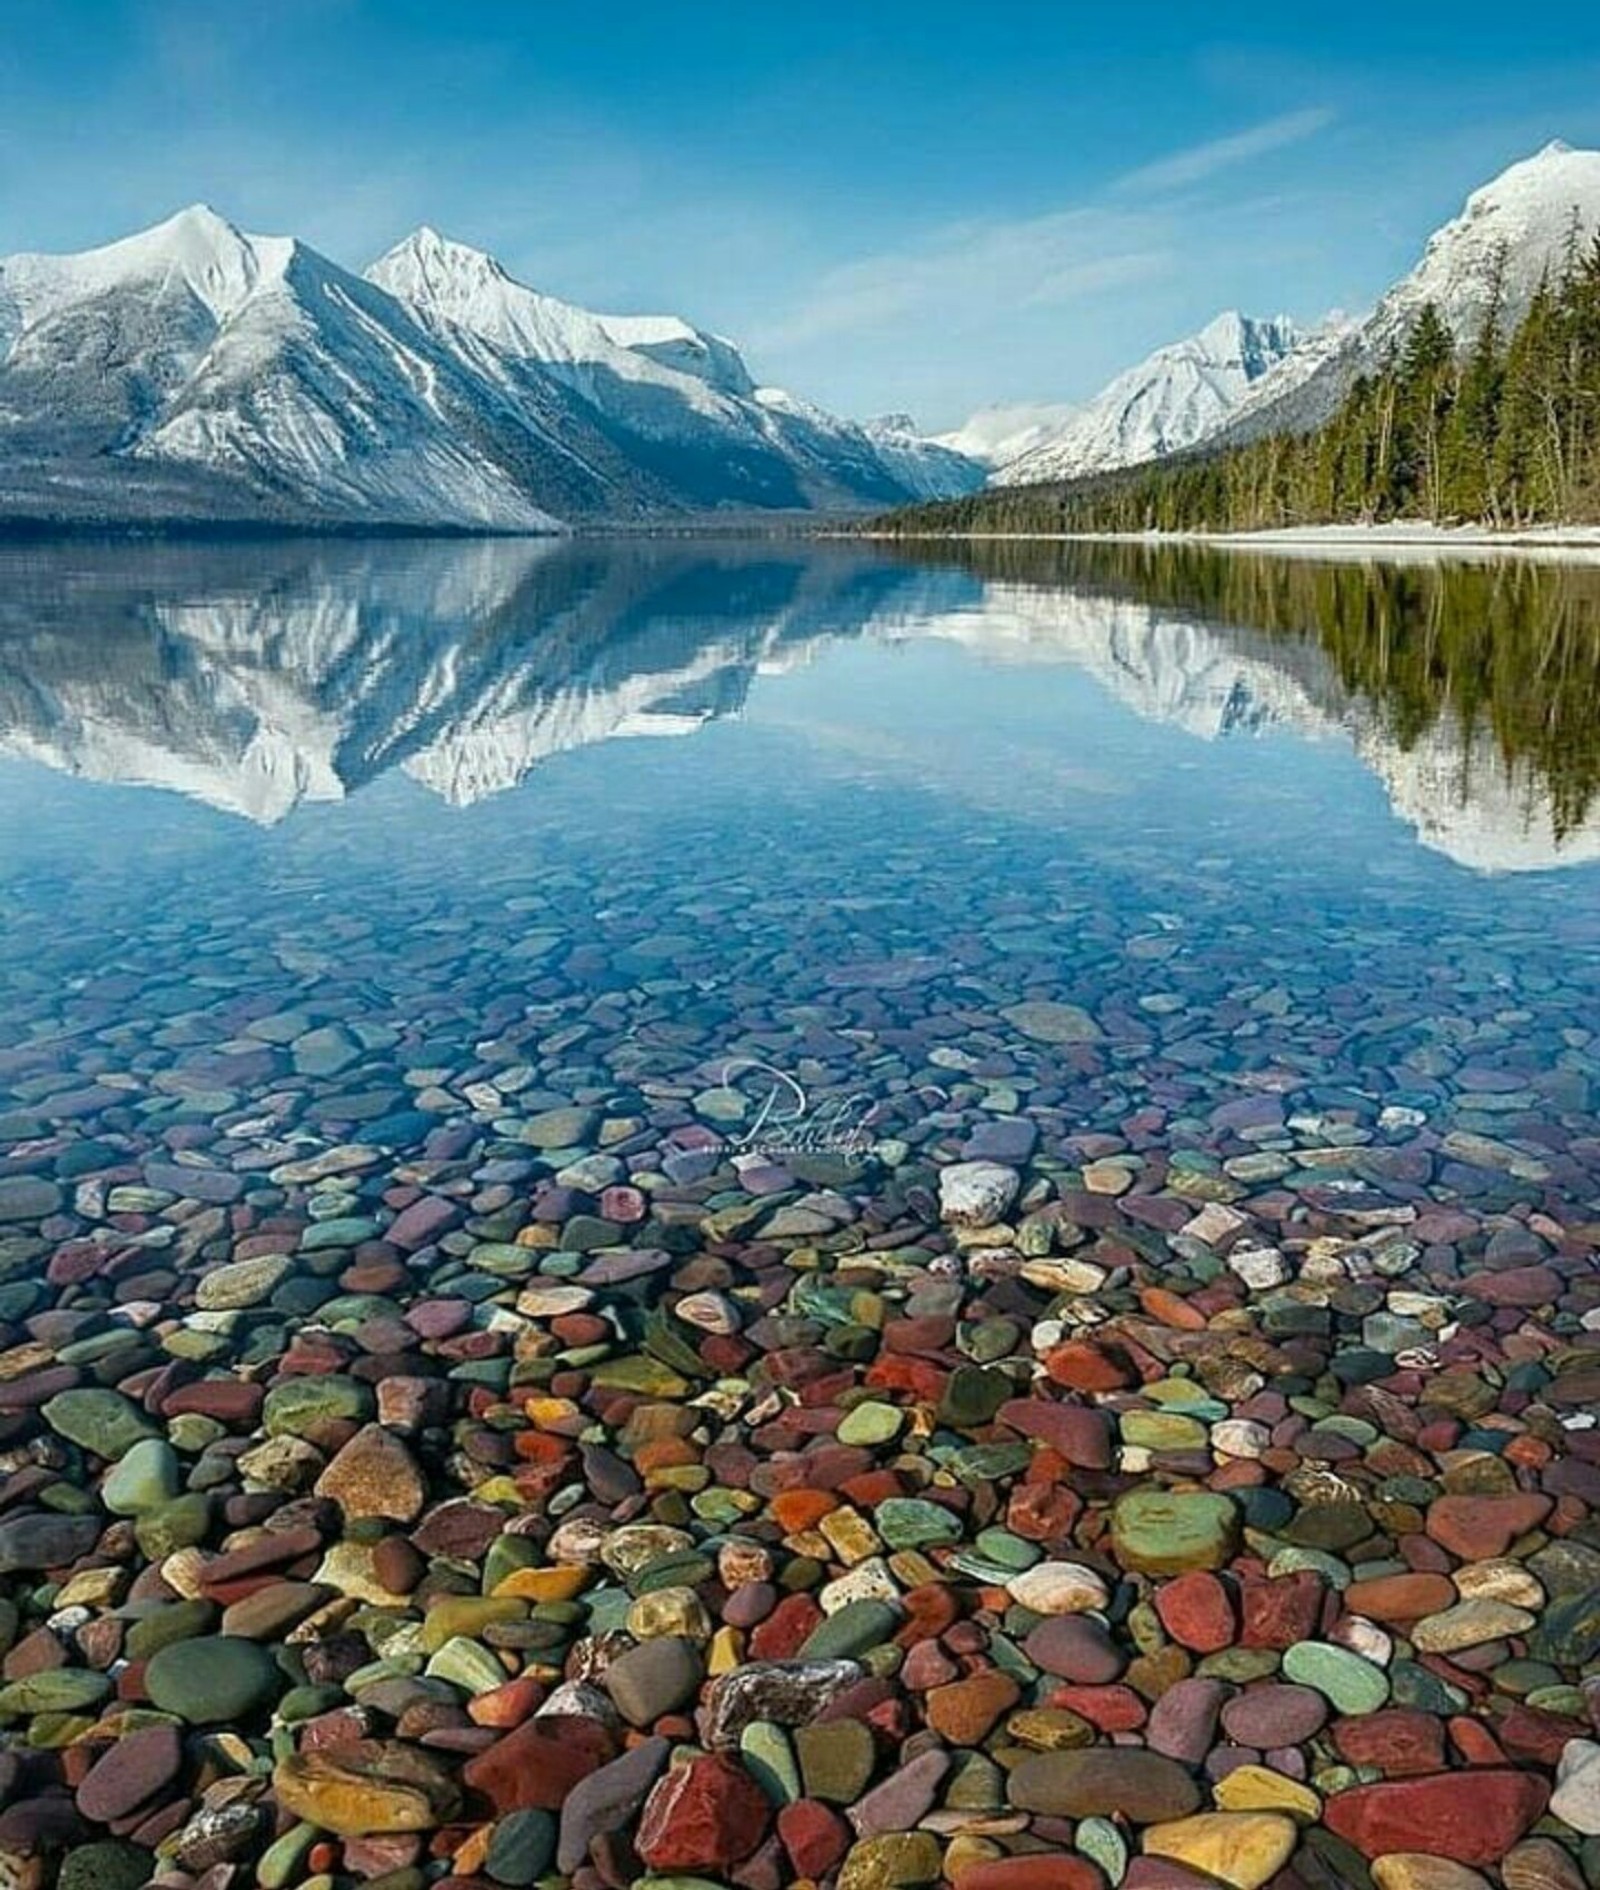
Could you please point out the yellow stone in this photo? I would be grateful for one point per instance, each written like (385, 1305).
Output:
(1259, 1788)
(1243, 1849)
(1050, 1729)
(545, 1413)
(468, 1615)
(964, 1851)
(543, 1584)
(1412, 1870)
(366, 1788)
(539, 1234)
(850, 1535)
(348, 1567)
(725, 1652)
(677, 1612)
(94, 1588)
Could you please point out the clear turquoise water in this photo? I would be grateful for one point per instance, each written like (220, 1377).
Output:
(662, 805)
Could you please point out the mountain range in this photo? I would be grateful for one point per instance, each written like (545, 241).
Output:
(1242, 378)
(254, 679)
(194, 372)
(197, 371)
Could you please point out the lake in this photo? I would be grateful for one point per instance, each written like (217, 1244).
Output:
(575, 1072)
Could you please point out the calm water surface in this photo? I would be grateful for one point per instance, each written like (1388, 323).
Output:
(1319, 832)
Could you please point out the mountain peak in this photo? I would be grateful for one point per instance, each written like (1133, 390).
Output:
(427, 258)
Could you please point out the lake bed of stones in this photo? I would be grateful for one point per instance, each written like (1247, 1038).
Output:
(682, 1344)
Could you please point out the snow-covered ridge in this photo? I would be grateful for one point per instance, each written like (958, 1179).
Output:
(1176, 398)
(254, 378)
(1240, 378)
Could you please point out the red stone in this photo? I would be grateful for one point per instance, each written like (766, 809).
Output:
(1479, 1528)
(1197, 1611)
(814, 1835)
(1043, 1870)
(534, 1767)
(1077, 1433)
(706, 1815)
(1280, 1612)
(1399, 1741)
(1472, 1817)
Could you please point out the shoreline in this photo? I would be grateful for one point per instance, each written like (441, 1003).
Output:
(1551, 541)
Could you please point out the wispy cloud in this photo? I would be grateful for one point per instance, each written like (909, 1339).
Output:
(966, 275)
(1201, 161)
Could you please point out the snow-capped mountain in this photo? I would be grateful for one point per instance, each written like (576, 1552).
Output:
(931, 467)
(1512, 232)
(198, 370)
(1180, 395)
(255, 681)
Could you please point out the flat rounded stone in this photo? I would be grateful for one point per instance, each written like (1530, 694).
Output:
(1243, 1849)
(1274, 1715)
(1472, 1817)
(132, 1772)
(658, 1676)
(212, 1678)
(1105, 1782)
(1167, 1532)
(241, 1283)
(1354, 1685)
(1416, 1870)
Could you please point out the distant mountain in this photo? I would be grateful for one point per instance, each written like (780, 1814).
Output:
(1241, 378)
(195, 370)
(1512, 232)
(1180, 395)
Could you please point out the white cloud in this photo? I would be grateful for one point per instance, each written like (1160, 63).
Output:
(1201, 161)
(969, 275)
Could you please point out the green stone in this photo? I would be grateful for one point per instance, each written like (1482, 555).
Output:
(178, 1621)
(100, 1421)
(871, 1423)
(108, 1865)
(146, 1477)
(767, 1756)
(55, 1690)
(299, 1406)
(181, 1524)
(344, 1231)
(912, 1522)
(972, 1395)
(1352, 1684)
(850, 1631)
(836, 1759)
(1168, 1532)
(215, 1677)
(521, 1848)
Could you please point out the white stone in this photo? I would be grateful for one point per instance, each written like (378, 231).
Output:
(976, 1194)
(1258, 1267)
(1577, 1794)
(1059, 1588)
(1240, 1437)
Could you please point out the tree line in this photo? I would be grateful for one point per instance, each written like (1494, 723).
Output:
(1503, 431)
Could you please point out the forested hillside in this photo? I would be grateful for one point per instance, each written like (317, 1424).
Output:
(1505, 430)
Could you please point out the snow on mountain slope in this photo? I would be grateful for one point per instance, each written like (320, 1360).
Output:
(994, 436)
(663, 385)
(931, 468)
(1177, 397)
(1514, 229)
(197, 369)
(254, 358)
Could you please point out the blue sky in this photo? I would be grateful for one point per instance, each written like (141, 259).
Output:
(929, 206)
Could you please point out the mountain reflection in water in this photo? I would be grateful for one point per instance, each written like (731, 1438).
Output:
(257, 677)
